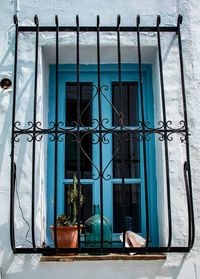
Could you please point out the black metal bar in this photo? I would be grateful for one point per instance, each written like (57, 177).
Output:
(12, 175)
(165, 133)
(100, 126)
(34, 128)
(191, 225)
(121, 128)
(56, 134)
(129, 147)
(189, 202)
(106, 131)
(94, 29)
(78, 124)
(143, 127)
(139, 250)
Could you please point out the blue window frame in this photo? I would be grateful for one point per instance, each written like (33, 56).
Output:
(134, 178)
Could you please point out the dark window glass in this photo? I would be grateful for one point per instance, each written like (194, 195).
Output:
(132, 207)
(86, 209)
(85, 105)
(71, 163)
(129, 92)
(131, 156)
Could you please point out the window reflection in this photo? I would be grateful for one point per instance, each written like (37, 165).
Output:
(71, 163)
(85, 105)
(131, 156)
(132, 207)
(129, 92)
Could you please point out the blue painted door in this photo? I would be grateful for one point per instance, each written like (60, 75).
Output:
(111, 154)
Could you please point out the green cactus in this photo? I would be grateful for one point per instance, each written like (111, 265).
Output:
(74, 200)
(72, 204)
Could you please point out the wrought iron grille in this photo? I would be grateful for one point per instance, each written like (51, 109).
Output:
(164, 129)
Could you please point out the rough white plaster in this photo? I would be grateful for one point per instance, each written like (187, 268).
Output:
(176, 266)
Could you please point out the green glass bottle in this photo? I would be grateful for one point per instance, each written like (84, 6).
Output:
(93, 230)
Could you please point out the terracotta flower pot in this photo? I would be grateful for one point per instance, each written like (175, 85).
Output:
(67, 236)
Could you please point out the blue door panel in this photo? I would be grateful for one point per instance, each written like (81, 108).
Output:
(109, 74)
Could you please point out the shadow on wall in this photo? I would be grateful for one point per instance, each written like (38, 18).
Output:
(6, 67)
(6, 255)
(7, 258)
(30, 265)
(5, 110)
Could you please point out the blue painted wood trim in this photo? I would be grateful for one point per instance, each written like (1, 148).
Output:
(68, 72)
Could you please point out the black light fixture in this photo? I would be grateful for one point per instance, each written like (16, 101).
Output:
(5, 83)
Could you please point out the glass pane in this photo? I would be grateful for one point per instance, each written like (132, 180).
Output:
(131, 156)
(85, 106)
(71, 104)
(86, 210)
(129, 103)
(133, 105)
(132, 207)
(71, 164)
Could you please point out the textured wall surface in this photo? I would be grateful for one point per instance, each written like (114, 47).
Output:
(177, 265)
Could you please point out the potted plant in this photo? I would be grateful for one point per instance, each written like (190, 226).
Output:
(67, 225)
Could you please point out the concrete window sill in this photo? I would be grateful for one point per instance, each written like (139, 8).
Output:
(110, 257)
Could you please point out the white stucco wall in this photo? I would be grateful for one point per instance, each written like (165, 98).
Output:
(176, 265)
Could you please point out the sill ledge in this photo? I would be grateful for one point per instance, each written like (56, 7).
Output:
(110, 257)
